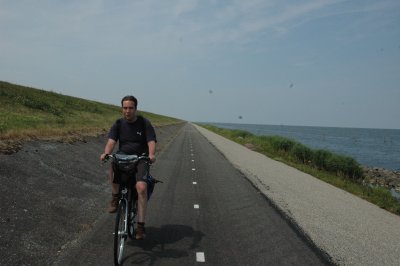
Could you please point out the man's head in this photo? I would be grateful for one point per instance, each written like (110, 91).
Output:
(129, 98)
(129, 106)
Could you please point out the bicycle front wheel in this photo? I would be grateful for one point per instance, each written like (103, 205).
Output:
(120, 232)
(132, 218)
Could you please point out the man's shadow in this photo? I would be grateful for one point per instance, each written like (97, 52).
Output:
(155, 246)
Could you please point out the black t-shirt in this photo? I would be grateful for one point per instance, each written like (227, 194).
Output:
(133, 137)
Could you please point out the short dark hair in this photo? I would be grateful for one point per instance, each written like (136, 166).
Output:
(129, 98)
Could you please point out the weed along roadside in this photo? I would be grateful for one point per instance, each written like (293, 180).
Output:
(341, 171)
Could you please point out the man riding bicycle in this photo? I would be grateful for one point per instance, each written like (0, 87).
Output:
(135, 135)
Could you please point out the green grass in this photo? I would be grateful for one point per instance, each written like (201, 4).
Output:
(341, 171)
(27, 113)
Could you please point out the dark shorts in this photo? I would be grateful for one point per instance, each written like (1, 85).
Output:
(142, 171)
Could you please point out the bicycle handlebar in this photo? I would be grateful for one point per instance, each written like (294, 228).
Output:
(126, 158)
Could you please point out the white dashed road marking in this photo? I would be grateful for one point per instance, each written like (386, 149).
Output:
(200, 257)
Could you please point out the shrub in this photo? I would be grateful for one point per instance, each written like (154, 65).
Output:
(334, 163)
(279, 143)
(338, 164)
(2, 127)
(41, 105)
(302, 153)
(240, 134)
(351, 168)
(320, 158)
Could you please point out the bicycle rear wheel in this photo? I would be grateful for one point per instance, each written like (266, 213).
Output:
(120, 232)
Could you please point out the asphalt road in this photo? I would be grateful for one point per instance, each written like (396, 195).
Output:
(205, 212)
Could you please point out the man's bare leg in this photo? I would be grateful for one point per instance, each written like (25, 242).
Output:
(112, 208)
(141, 188)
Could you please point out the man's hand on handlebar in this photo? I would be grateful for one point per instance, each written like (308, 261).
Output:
(103, 156)
(152, 158)
(149, 158)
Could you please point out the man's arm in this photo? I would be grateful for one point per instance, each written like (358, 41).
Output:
(152, 150)
(108, 149)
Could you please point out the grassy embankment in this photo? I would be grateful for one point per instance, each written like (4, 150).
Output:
(341, 171)
(29, 113)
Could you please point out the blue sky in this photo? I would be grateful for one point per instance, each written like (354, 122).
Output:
(303, 62)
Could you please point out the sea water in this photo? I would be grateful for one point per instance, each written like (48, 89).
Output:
(370, 147)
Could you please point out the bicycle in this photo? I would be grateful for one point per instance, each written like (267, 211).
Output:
(126, 165)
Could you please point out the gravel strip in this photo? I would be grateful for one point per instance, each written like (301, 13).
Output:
(350, 230)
